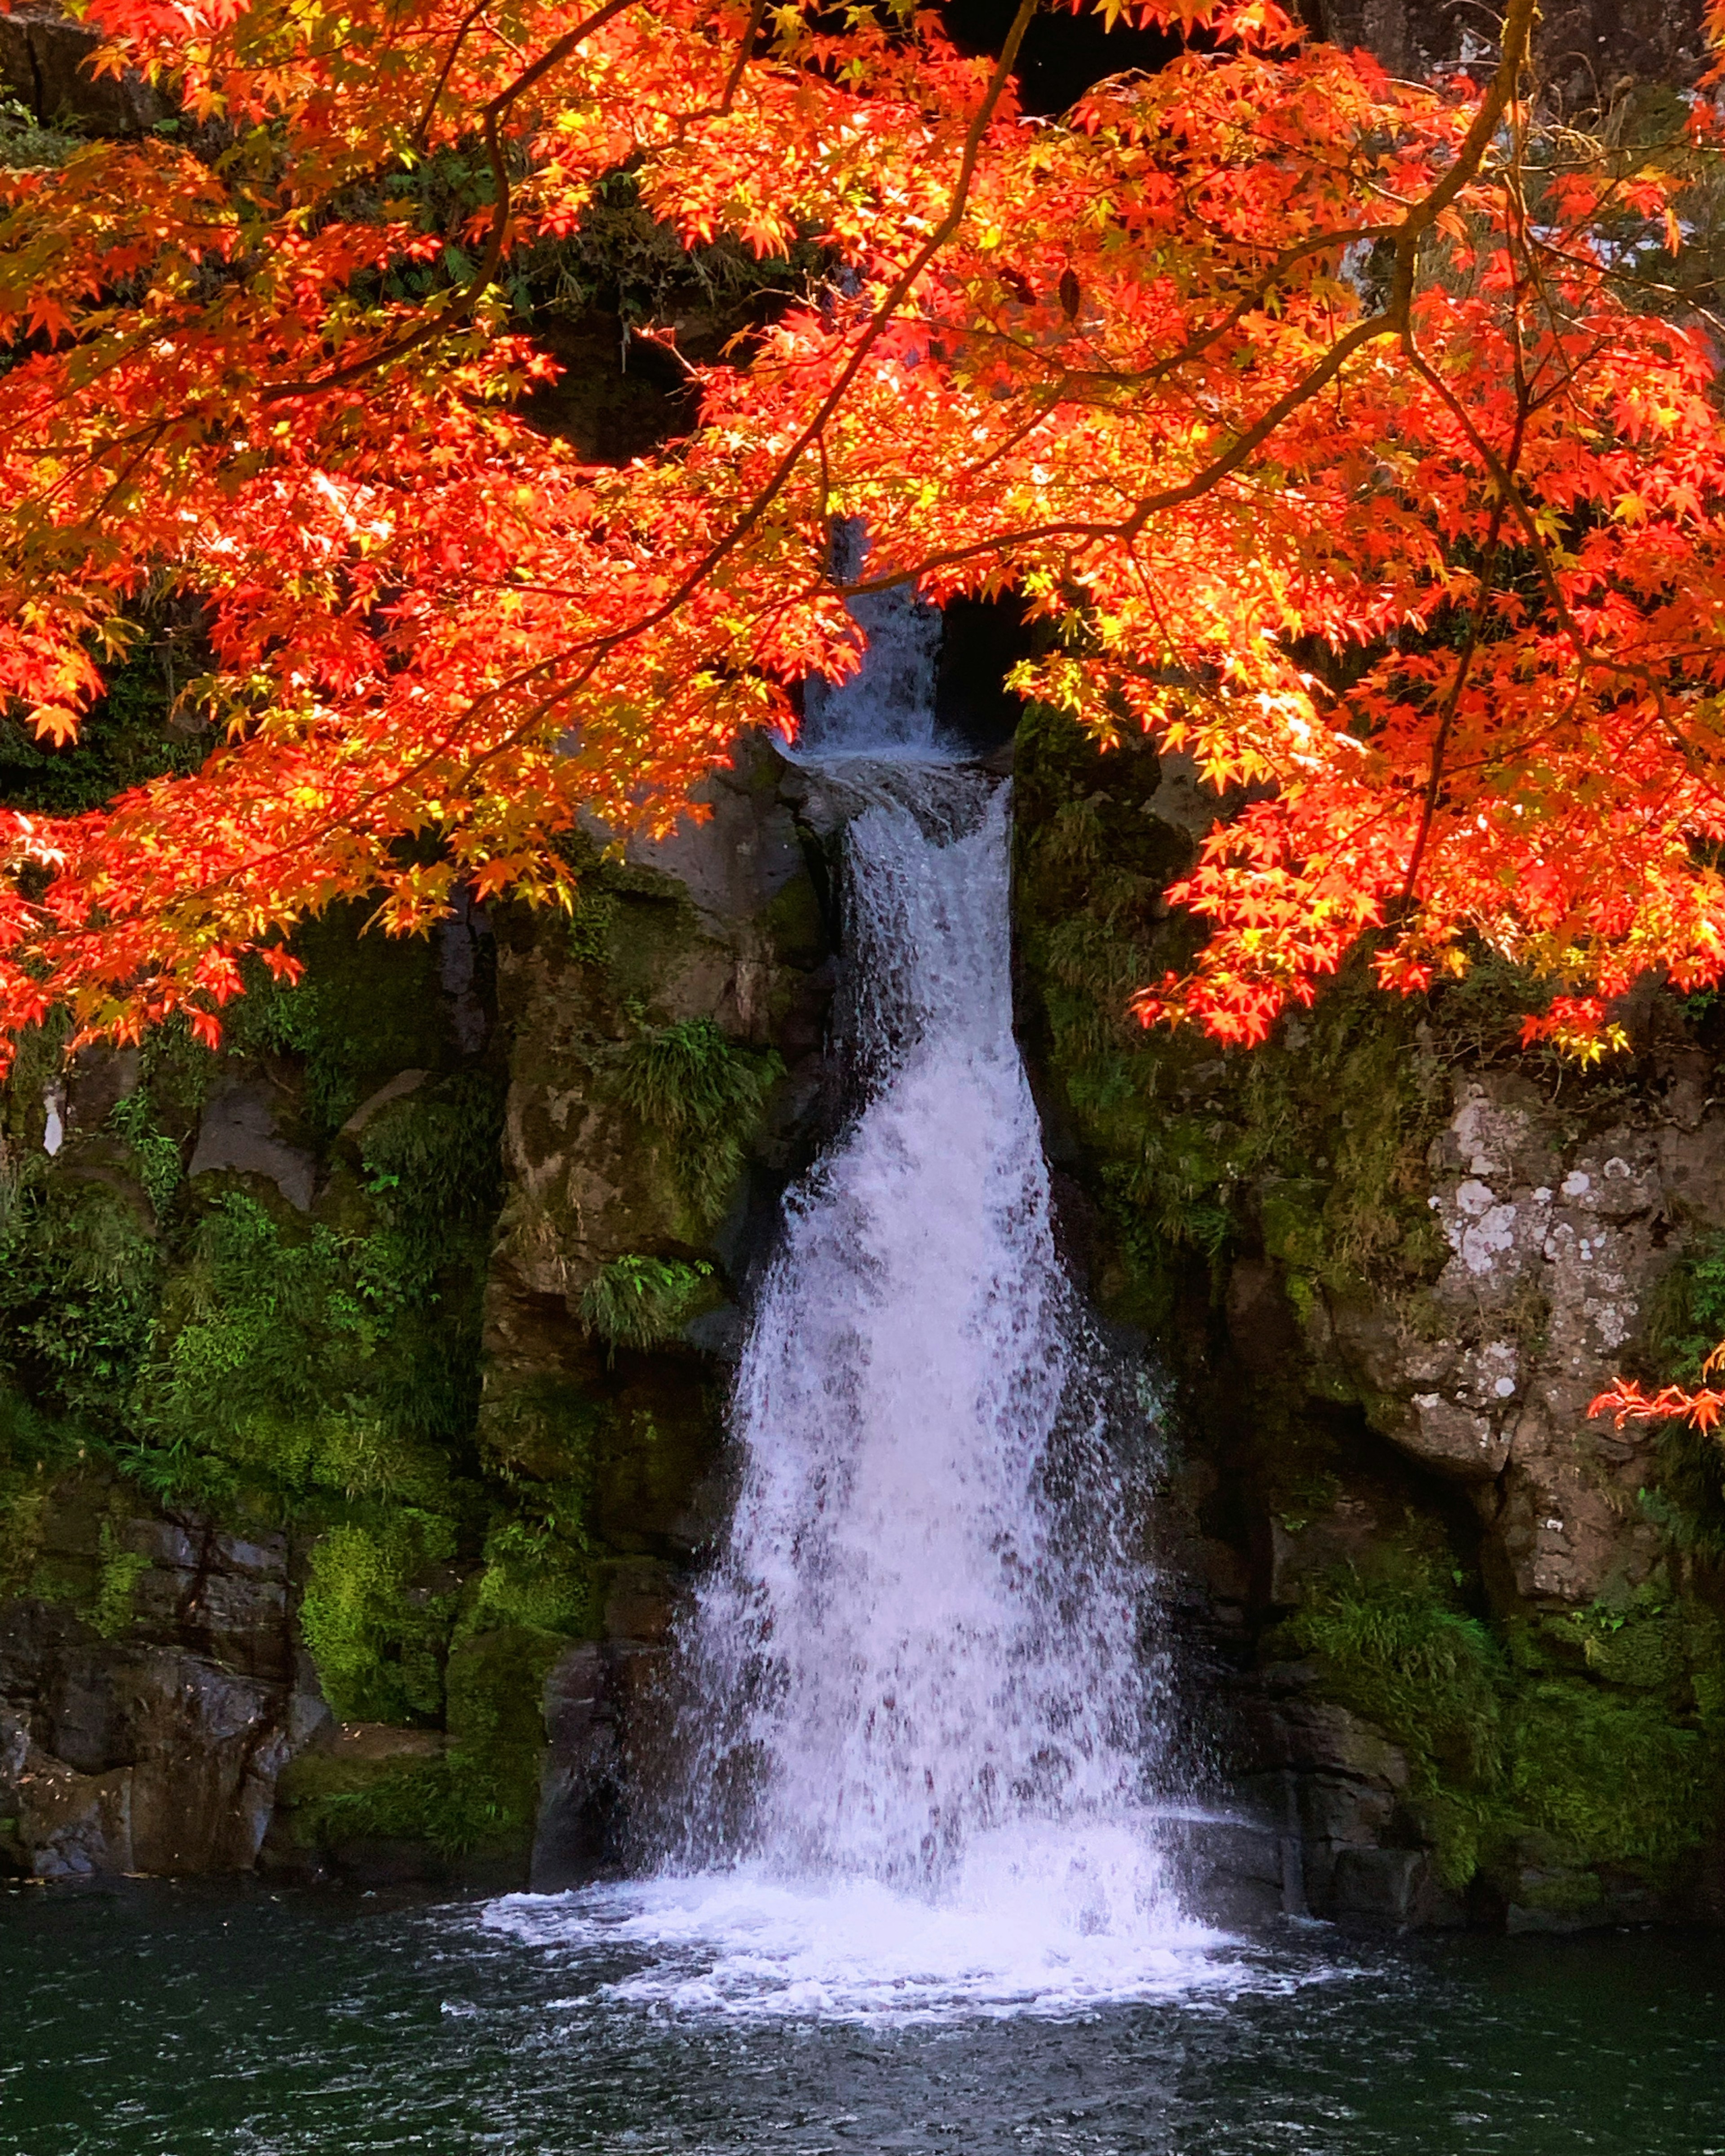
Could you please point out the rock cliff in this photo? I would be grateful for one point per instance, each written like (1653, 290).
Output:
(363, 1382)
(360, 1386)
(366, 1383)
(1473, 1641)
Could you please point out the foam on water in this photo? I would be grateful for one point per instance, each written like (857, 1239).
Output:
(748, 1944)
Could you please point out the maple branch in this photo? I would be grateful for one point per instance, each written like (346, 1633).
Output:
(1313, 243)
(1512, 58)
(490, 116)
(746, 46)
(1452, 705)
(1303, 391)
(424, 123)
(900, 290)
(1395, 318)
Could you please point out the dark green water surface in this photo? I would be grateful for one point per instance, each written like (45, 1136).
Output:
(160, 2020)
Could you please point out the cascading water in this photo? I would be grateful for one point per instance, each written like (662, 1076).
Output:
(925, 1626)
(886, 708)
(926, 1724)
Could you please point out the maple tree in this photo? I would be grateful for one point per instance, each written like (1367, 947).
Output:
(1355, 436)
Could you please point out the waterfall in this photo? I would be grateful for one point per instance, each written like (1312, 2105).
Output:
(924, 1720)
(921, 1648)
(886, 708)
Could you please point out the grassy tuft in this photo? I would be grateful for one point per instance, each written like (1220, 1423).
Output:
(1602, 1728)
(703, 1093)
(638, 1301)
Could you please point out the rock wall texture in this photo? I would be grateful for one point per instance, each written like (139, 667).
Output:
(44, 65)
(1471, 1641)
(361, 1386)
(147, 1709)
(665, 1079)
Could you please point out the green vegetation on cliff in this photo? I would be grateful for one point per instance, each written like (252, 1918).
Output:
(201, 1341)
(1602, 1731)
(1312, 1146)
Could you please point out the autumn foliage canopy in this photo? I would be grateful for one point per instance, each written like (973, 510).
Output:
(1357, 438)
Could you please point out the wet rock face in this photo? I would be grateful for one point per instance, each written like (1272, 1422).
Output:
(44, 64)
(1456, 1648)
(721, 931)
(156, 1749)
(1556, 1230)
(1557, 1246)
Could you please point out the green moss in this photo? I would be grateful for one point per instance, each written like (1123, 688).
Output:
(1311, 1147)
(111, 1612)
(290, 1354)
(376, 1629)
(263, 1362)
(1563, 1894)
(703, 1093)
(496, 1714)
(544, 1426)
(1400, 1652)
(23, 1505)
(639, 1301)
(1600, 1729)
(591, 922)
(481, 1794)
(367, 1007)
(794, 921)
(1615, 1777)
(538, 1567)
(80, 1274)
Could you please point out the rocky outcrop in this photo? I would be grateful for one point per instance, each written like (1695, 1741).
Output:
(149, 1697)
(45, 64)
(1458, 1642)
(1558, 1243)
(276, 1286)
(715, 942)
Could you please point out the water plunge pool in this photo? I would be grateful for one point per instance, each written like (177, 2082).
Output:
(156, 2019)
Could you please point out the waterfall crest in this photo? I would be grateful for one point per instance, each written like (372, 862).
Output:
(886, 708)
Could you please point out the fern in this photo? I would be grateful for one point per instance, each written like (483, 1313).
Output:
(638, 1301)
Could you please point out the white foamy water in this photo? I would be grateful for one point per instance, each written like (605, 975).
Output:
(925, 1720)
(924, 1628)
(750, 1944)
